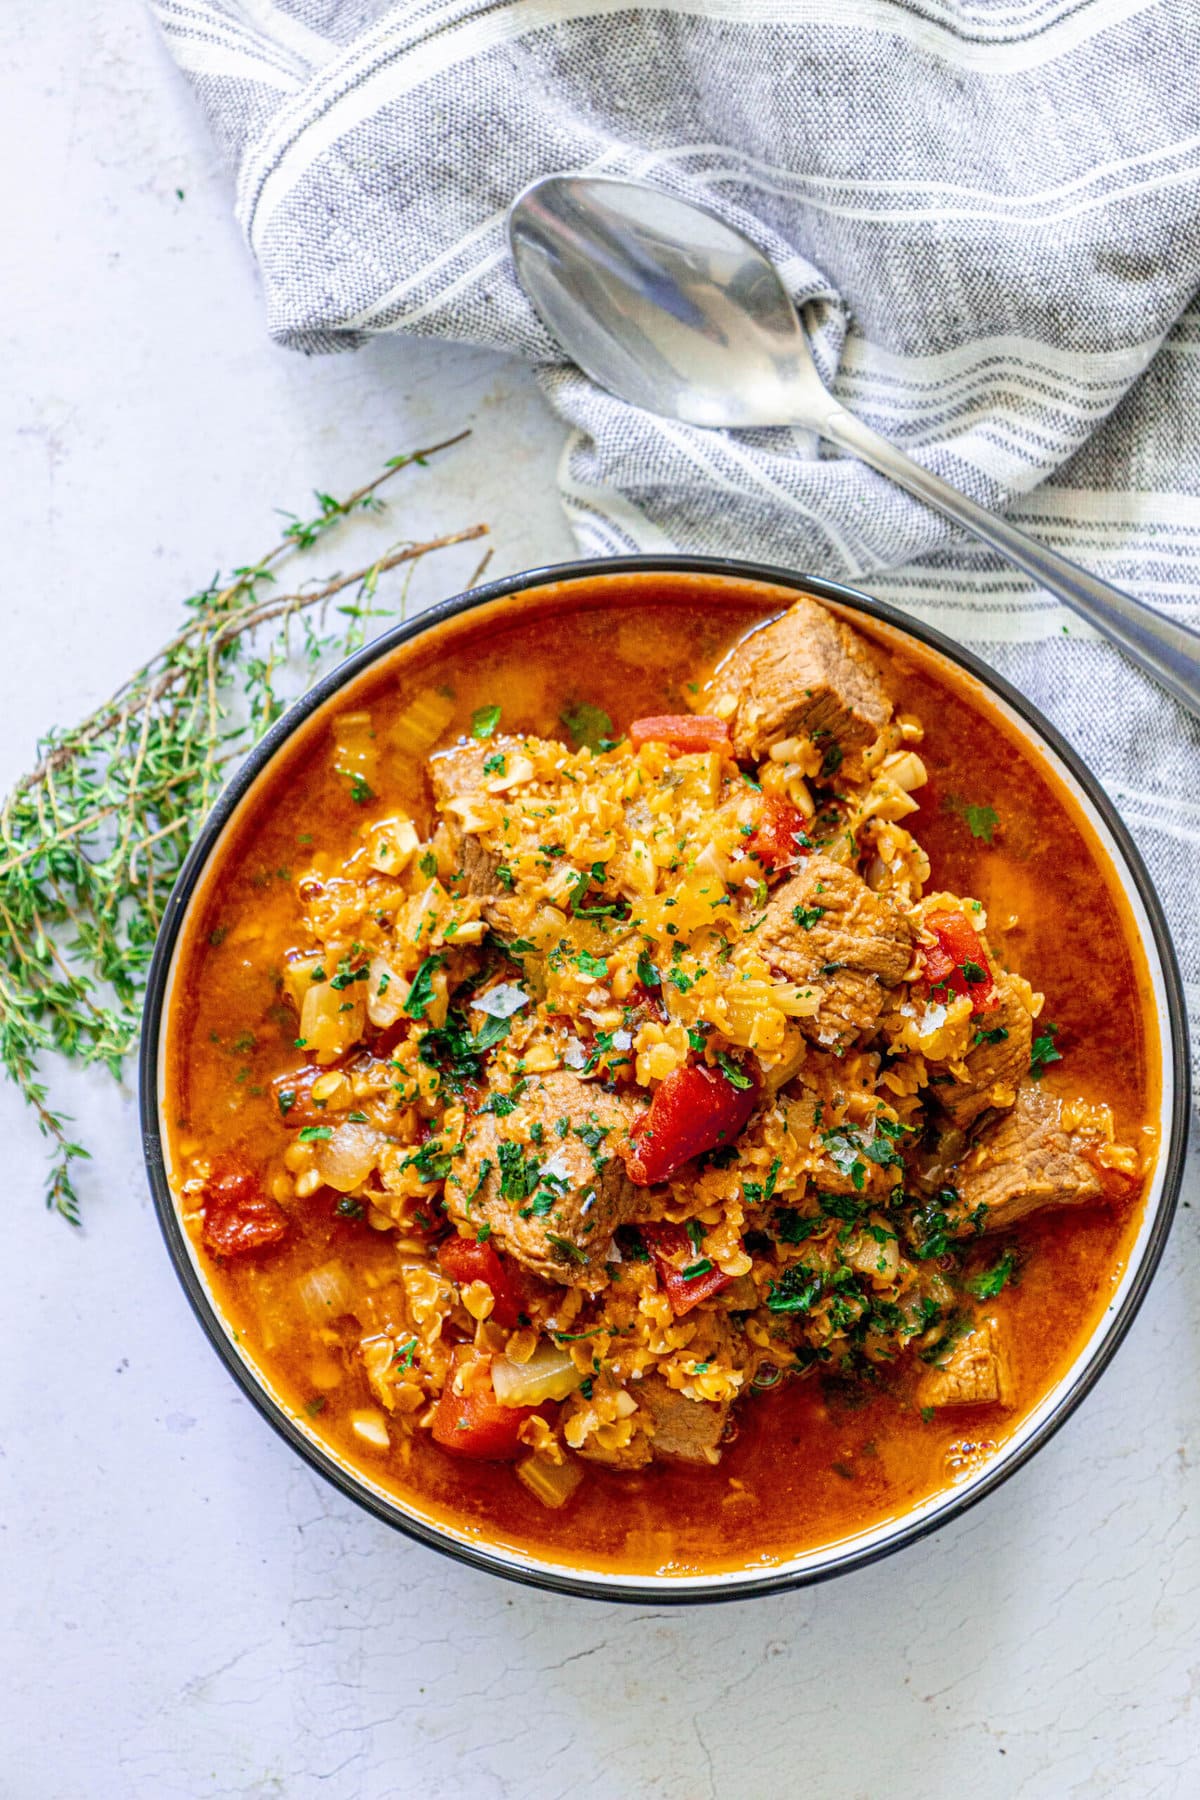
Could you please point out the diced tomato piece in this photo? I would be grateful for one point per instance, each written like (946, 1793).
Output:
(646, 1003)
(239, 1216)
(681, 731)
(464, 1261)
(475, 1423)
(674, 1254)
(958, 962)
(693, 1110)
(779, 837)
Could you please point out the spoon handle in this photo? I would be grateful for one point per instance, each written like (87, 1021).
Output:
(1167, 651)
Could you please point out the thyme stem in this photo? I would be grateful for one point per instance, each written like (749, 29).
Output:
(99, 827)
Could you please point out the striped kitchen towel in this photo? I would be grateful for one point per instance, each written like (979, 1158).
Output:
(989, 211)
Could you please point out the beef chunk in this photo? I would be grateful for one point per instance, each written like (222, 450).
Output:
(548, 1180)
(458, 775)
(1021, 1162)
(827, 930)
(993, 1069)
(689, 1430)
(977, 1371)
(806, 675)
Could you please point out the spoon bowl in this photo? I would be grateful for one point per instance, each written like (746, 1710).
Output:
(673, 310)
(661, 303)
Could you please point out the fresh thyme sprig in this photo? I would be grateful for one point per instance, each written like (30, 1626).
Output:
(91, 840)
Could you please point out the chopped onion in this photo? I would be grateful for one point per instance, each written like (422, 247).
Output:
(711, 862)
(326, 1293)
(386, 993)
(297, 978)
(331, 1019)
(346, 1158)
(371, 1427)
(906, 769)
(552, 1482)
(393, 845)
(501, 1002)
(549, 1374)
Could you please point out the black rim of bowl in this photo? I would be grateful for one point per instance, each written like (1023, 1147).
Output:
(597, 1585)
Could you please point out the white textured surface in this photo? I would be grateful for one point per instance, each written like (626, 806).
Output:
(186, 1610)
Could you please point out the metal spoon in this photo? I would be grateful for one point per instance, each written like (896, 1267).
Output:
(668, 307)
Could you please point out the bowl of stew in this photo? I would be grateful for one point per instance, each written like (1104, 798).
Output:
(664, 1078)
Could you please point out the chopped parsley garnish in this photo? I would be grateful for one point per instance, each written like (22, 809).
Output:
(848, 1146)
(694, 1270)
(485, 1169)
(405, 1352)
(484, 721)
(451, 1049)
(797, 1290)
(996, 1035)
(421, 992)
(758, 1193)
(1043, 1052)
(792, 1227)
(519, 1177)
(806, 916)
(314, 1134)
(981, 821)
(593, 1134)
(647, 974)
(564, 1249)
(346, 975)
(596, 967)
(588, 726)
(427, 863)
(499, 1105)
(931, 1225)
(990, 1282)
(496, 765)
(593, 877)
(286, 1101)
(733, 1071)
(431, 1162)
